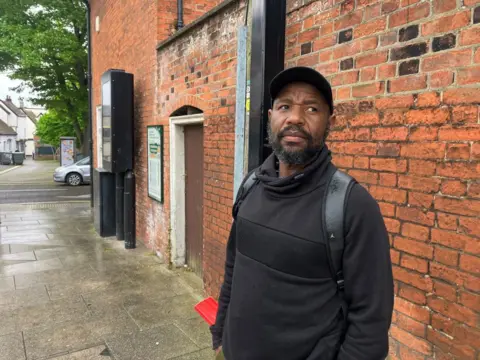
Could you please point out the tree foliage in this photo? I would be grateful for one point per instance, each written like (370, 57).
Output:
(44, 44)
(51, 126)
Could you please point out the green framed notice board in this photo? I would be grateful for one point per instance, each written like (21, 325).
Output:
(155, 161)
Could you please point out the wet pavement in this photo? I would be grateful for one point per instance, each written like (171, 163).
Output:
(67, 294)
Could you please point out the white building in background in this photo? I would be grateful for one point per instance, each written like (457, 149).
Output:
(23, 122)
(8, 136)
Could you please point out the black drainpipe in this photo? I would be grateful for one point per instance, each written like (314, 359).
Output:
(179, 14)
(89, 79)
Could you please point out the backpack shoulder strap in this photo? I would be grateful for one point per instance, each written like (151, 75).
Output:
(336, 196)
(248, 183)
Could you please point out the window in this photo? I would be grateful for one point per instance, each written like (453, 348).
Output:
(85, 161)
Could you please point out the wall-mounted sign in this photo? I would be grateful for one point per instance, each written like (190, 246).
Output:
(155, 162)
(67, 151)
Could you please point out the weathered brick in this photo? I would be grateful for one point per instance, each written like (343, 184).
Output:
(373, 11)
(453, 187)
(365, 177)
(368, 74)
(470, 36)
(369, 43)
(446, 23)
(389, 6)
(470, 263)
(392, 102)
(444, 290)
(349, 20)
(408, 33)
(446, 256)
(428, 116)
(423, 150)
(423, 133)
(387, 179)
(371, 59)
(474, 190)
(389, 38)
(407, 83)
(349, 49)
(441, 79)
(416, 216)
(386, 71)
(418, 199)
(412, 294)
(413, 311)
(470, 75)
(441, 6)
(404, 337)
(453, 310)
(465, 114)
(414, 279)
(396, 133)
(346, 64)
(388, 149)
(345, 36)
(453, 276)
(421, 167)
(470, 300)
(388, 194)
(446, 60)
(470, 226)
(408, 67)
(459, 170)
(444, 42)
(306, 48)
(419, 183)
(344, 78)
(458, 152)
(410, 14)
(391, 165)
(308, 35)
(408, 51)
(414, 263)
(428, 99)
(456, 206)
(449, 133)
(370, 28)
(462, 96)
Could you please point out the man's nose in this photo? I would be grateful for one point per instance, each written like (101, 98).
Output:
(295, 116)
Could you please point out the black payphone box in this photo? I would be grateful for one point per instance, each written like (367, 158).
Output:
(117, 120)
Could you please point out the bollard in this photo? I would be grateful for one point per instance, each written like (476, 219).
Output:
(119, 225)
(129, 210)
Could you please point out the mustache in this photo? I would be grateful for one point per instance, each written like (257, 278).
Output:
(294, 130)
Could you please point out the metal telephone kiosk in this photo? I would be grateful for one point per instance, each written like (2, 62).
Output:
(114, 182)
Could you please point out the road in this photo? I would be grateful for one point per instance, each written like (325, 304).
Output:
(33, 183)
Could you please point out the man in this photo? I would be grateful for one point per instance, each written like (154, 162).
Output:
(279, 300)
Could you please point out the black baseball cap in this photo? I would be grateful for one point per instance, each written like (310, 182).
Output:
(302, 74)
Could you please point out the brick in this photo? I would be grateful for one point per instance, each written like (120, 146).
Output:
(368, 89)
(386, 71)
(429, 99)
(395, 133)
(348, 49)
(444, 290)
(470, 75)
(453, 240)
(428, 116)
(392, 102)
(394, 256)
(362, 134)
(470, 36)
(364, 176)
(386, 208)
(420, 199)
(446, 221)
(465, 114)
(404, 337)
(388, 149)
(475, 151)
(462, 96)
(392, 165)
(369, 43)
(368, 74)
(423, 150)
(412, 294)
(365, 119)
(441, 6)
(474, 190)
(446, 256)
(392, 225)
(453, 187)
(441, 79)
(349, 20)
(392, 118)
(407, 83)
(373, 11)
(416, 216)
(414, 263)
(447, 59)
(439, 339)
(470, 300)
(470, 263)
(361, 162)
(370, 28)
(408, 354)
(389, 6)
(476, 57)
(446, 23)
(414, 311)
(408, 51)
(421, 167)
(440, 322)
(410, 14)
(347, 6)
(308, 35)
(387, 179)
(418, 183)
(311, 60)
(470, 226)
(343, 93)
(471, 133)
(414, 231)
(466, 335)
(444, 42)
(423, 133)
(408, 67)
(345, 36)
(453, 310)
(459, 170)
(344, 78)
(413, 327)
(371, 59)
(343, 161)
(458, 152)
(405, 3)
(388, 194)
(408, 33)
(326, 29)
(346, 64)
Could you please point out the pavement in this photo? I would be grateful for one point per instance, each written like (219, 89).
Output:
(67, 294)
(33, 182)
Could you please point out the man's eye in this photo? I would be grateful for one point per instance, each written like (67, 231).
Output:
(312, 109)
(283, 107)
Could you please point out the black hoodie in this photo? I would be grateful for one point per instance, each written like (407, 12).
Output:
(278, 299)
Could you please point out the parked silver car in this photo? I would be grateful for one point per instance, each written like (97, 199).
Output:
(75, 174)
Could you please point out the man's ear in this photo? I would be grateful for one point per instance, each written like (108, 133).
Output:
(332, 120)
(269, 114)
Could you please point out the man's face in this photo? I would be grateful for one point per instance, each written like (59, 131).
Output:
(299, 123)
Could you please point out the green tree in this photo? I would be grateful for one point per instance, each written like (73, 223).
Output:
(52, 125)
(44, 44)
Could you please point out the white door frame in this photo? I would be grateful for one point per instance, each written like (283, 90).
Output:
(177, 185)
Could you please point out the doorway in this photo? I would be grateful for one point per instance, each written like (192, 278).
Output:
(186, 191)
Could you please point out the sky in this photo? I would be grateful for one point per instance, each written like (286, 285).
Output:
(6, 83)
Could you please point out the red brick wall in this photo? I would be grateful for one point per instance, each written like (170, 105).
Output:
(406, 82)
(199, 69)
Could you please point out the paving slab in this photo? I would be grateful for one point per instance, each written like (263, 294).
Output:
(11, 347)
(95, 353)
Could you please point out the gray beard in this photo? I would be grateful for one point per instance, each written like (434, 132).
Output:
(296, 157)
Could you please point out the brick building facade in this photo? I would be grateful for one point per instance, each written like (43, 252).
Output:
(406, 77)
